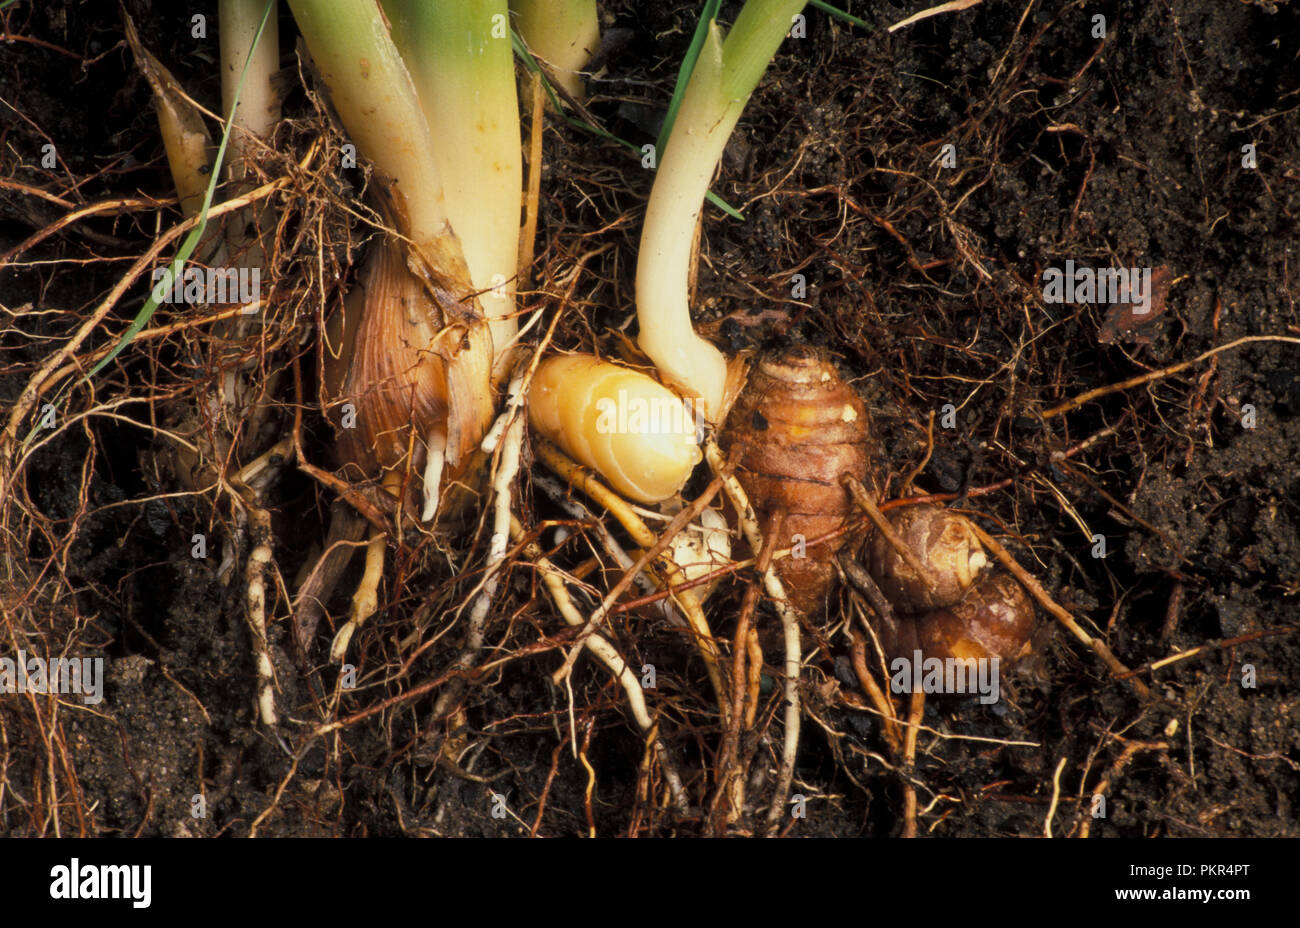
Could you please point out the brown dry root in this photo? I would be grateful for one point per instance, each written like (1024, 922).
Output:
(1035, 588)
(775, 589)
(914, 716)
(729, 796)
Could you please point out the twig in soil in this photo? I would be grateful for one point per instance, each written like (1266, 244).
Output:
(1163, 372)
(1172, 611)
(862, 581)
(950, 7)
(1131, 749)
(929, 450)
(1101, 491)
(591, 778)
(1011, 44)
(279, 790)
(1273, 755)
(1208, 647)
(858, 653)
(1027, 580)
(546, 787)
(754, 684)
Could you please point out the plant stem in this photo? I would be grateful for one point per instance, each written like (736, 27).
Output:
(460, 59)
(725, 75)
(259, 105)
(377, 101)
(563, 33)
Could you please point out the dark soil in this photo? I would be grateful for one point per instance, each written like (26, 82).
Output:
(923, 281)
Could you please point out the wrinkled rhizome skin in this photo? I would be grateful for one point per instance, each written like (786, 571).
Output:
(801, 429)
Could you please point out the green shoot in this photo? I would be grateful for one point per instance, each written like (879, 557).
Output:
(720, 84)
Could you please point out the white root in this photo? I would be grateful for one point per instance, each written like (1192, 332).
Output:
(436, 455)
(605, 652)
(245, 487)
(258, 561)
(513, 402)
(789, 623)
(366, 599)
(575, 508)
(511, 448)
